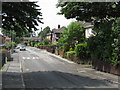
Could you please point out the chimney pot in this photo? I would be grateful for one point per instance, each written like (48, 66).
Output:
(58, 26)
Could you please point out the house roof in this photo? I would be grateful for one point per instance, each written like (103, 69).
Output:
(86, 24)
(59, 30)
(48, 34)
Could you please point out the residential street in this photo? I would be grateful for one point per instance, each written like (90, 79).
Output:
(35, 68)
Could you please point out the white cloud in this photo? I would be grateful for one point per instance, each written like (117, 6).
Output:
(49, 14)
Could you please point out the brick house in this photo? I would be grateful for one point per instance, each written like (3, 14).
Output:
(56, 34)
(49, 36)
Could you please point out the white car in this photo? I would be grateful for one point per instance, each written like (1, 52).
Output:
(18, 46)
(22, 48)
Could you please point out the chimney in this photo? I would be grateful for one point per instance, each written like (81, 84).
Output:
(58, 26)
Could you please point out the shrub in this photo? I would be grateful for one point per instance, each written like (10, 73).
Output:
(38, 44)
(66, 47)
(82, 51)
(71, 53)
(46, 41)
(71, 49)
(105, 46)
(11, 44)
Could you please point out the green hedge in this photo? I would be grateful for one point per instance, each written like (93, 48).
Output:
(82, 51)
(105, 46)
(71, 52)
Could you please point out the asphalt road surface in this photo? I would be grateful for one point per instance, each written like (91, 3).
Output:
(40, 69)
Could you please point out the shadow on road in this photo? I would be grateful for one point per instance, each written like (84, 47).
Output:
(51, 80)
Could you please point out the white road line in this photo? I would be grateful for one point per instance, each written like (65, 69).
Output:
(21, 70)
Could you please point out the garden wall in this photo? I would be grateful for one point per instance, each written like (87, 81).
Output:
(78, 60)
(48, 48)
(106, 67)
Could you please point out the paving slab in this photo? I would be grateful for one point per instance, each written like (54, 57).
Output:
(12, 75)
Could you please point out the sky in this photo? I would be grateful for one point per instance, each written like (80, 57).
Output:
(49, 15)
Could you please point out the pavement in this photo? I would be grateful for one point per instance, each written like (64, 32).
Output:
(12, 74)
(37, 68)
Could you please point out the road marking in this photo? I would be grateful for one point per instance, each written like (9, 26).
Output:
(23, 57)
(28, 57)
(33, 58)
(37, 58)
(27, 69)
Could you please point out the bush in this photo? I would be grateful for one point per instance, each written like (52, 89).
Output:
(105, 46)
(71, 52)
(11, 44)
(46, 41)
(71, 49)
(66, 47)
(38, 44)
(82, 51)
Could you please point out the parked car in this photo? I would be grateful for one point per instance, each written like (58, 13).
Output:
(18, 46)
(22, 48)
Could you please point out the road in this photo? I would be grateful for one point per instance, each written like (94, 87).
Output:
(40, 69)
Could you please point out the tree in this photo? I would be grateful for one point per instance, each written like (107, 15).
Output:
(105, 45)
(89, 11)
(45, 31)
(21, 17)
(72, 35)
(46, 41)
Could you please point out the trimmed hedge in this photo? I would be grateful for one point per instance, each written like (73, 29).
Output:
(71, 52)
(82, 51)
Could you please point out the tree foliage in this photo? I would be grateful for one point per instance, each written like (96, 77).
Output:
(89, 11)
(72, 34)
(105, 45)
(105, 15)
(45, 31)
(21, 17)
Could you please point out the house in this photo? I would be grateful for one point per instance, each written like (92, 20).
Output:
(49, 36)
(88, 30)
(56, 34)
